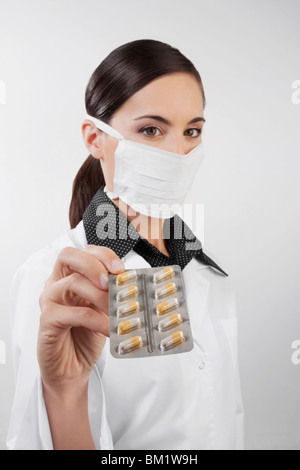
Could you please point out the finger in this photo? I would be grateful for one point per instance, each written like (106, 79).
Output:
(107, 256)
(70, 290)
(91, 265)
(62, 317)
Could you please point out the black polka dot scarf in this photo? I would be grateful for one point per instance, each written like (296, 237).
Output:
(106, 225)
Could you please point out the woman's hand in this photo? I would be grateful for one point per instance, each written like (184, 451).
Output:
(74, 325)
(74, 319)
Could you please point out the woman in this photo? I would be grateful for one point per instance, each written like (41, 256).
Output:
(74, 394)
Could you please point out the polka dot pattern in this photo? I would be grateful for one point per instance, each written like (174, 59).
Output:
(106, 225)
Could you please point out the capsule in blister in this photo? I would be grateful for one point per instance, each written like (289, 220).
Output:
(130, 308)
(130, 291)
(168, 289)
(163, 274)
(171, 341)
(126, 277)
(170, 322)
(130, 345)
(148, 313)
(166, 306)
(127, 326)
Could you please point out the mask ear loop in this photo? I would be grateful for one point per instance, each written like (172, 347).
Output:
(105, 127)
(112, 132)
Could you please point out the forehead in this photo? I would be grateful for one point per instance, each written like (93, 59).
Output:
(173, 93)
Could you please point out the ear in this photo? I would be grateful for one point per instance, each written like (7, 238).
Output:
(92, 138)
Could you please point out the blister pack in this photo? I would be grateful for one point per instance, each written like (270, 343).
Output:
(148, 313)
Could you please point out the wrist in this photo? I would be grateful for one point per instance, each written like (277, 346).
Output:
(66, 394)
(67, 409)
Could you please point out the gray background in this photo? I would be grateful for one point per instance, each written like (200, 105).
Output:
(247, 53)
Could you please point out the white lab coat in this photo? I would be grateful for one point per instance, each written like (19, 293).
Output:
(189, 401)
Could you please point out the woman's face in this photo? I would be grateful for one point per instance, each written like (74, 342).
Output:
(173, 101)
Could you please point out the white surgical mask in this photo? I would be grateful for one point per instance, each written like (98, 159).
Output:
(150, 180)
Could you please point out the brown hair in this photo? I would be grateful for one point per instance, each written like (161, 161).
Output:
(122, 73)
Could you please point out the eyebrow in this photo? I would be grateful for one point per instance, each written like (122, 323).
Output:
(165, 121)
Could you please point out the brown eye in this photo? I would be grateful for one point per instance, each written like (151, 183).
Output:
(150, 131)
(199, 132)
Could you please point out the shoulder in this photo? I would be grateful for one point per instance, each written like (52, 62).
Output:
(40, 263)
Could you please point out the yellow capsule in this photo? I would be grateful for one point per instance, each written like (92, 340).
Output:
(163, 274)
(128, 325)
(171, 341)
(130, 291)
(125, 277)
(130, 345)
(170, 322)
(166, 290)
(166, 306)
(128, 309)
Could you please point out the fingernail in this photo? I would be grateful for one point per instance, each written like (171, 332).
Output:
(117, 265)
(104, 280)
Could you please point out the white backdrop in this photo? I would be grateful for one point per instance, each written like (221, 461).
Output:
(247, 53)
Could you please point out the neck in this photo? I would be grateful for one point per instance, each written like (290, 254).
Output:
(150, 228)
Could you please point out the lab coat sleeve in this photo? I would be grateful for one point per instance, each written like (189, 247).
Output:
(29, 426)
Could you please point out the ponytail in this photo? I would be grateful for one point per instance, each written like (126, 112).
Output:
(86, 183)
